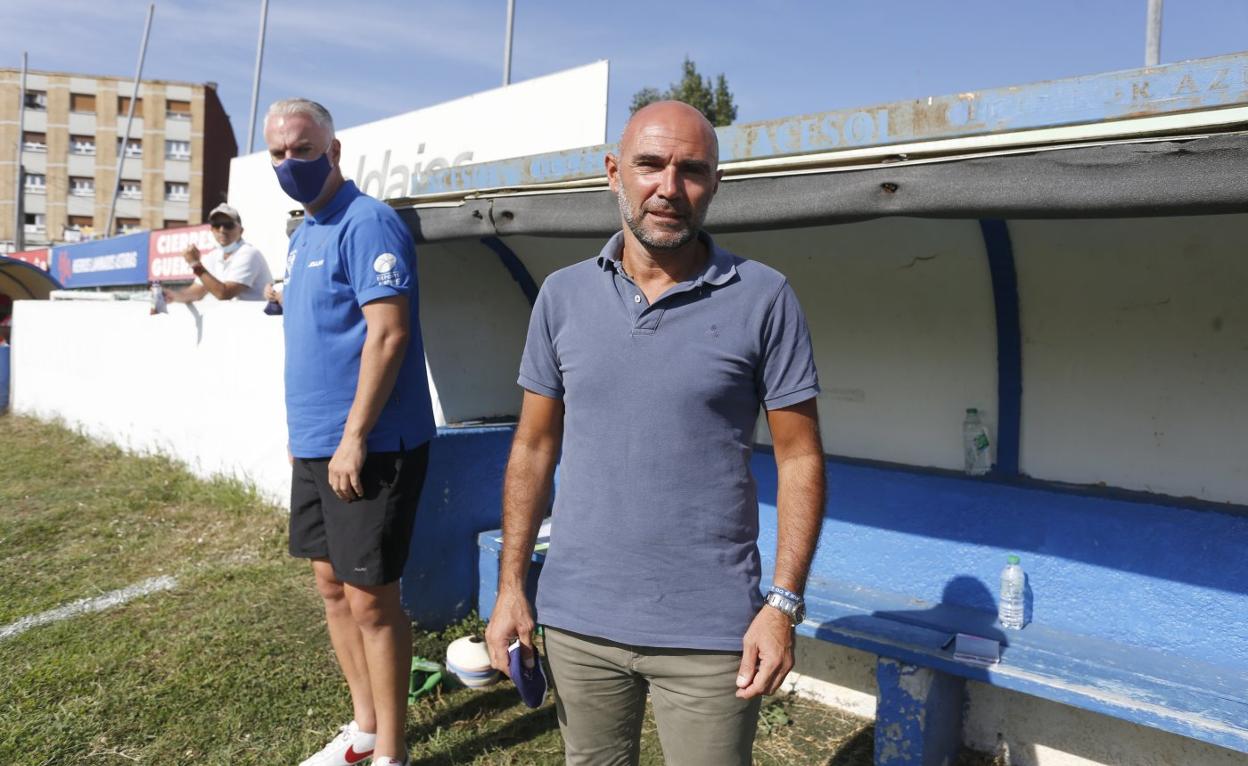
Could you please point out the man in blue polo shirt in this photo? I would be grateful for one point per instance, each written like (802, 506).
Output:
(644, 372)
(359, 416)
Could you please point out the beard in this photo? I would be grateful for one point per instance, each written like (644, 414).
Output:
(659, 240)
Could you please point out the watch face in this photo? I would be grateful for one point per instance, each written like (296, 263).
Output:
(795, 612)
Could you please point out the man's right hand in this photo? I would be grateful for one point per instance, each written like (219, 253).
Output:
(191, 254)
(512, 619)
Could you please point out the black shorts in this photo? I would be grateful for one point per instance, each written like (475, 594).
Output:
(367, 540)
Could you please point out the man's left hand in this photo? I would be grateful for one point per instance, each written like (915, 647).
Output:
(768, 655)
(191, 254)
(345, 467)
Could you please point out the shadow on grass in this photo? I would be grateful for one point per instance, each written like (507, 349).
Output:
(858, 750)
(523, 729)
(481, 704)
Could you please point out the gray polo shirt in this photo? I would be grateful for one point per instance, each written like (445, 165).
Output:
(654, 541)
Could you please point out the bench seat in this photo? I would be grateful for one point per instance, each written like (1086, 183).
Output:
(1151, 688)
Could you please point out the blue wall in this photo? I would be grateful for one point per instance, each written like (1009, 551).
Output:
(462, 497)
(5, 377)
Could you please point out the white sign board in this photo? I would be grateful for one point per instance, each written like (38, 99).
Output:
(561, 111)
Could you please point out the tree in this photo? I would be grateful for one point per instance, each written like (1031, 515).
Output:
(714, 102)
(644, 97)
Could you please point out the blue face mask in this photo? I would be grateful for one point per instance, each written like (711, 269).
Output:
(302, 180)
(230, 248)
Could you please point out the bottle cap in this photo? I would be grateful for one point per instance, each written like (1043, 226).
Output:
(1012, 559)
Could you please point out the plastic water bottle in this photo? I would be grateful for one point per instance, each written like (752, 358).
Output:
(975, 445)
(1013, 582)
(274, 308)
(156, 300)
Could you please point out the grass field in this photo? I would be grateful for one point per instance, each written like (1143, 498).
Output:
(232, 665)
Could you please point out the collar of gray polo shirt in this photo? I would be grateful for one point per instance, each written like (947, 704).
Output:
(719, 269)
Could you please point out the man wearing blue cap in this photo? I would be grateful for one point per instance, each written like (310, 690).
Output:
(358, 410)
(644, 372)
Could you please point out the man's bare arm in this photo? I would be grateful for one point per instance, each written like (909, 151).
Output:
(768, 644)
(802, 491)
(526, 495)
(222, 291)
(385, 345)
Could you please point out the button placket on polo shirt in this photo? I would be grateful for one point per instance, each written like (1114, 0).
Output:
(645, 318)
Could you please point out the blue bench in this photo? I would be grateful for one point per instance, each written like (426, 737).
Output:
(1138, 608)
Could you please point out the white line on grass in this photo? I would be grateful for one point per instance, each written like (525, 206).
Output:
(85, 605)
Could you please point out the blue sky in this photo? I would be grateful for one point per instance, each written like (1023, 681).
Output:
(375, 58)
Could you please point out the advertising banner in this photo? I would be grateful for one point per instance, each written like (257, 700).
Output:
(165, 261)
(38, 258)
(103, 262)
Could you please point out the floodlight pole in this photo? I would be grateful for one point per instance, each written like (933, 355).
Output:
(19, 217)
(511, 26)
(1152, 44)
(134, 97)
(255, 82)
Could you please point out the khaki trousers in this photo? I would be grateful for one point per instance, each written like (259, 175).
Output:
(600, 693)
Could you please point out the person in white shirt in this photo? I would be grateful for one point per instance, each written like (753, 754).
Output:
(232, 270)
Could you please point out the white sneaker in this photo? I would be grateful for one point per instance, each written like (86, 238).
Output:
(349, 748)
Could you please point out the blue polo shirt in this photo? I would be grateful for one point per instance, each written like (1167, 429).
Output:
(353, 251)
(654, 541)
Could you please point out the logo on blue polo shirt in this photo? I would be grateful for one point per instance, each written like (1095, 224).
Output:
(384, 266)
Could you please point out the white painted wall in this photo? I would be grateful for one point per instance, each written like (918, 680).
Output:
(1135, 353)
(474, 318)
(559, 111)
(901, 315)
(201, 385)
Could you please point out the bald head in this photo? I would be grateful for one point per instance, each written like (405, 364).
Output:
(674, 119)
(665, 175)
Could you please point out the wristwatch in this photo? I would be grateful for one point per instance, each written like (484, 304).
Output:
(789, 603)
(198, 269)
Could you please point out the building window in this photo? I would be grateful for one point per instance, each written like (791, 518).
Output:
(36, 99)
(177, 192)
(82, 145)
(172, 224)
(123, 107)
(132, 190)
(34, 142)
(134, 147)
(177, 150)
(79, 228)
(36, 223)
(81, 186)
(127, 225)
(178, 110)
(36, 183)
(82, 103)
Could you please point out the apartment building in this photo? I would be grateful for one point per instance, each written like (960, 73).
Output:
(176, 162)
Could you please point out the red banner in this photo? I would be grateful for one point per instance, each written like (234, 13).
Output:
(39, 258)
(165, 262)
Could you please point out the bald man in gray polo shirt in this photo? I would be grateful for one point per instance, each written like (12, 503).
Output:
(644, 371)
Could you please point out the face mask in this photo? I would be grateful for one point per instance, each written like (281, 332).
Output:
(302, 180)
(227, 249)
